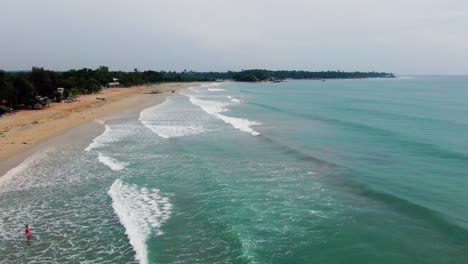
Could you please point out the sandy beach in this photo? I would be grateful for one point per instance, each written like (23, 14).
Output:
(23, 131)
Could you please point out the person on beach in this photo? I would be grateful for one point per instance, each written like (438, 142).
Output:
(27, 232)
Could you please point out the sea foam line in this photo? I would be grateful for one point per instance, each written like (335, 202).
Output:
(110, 135)
(97, 142)
(167, 123)
(23, 166)
(233, 99)
(215, 108)
(216, 89)
(112, 163)
(172, 130)
(141, 211)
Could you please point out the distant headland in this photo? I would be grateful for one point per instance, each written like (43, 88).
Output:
(266, 75)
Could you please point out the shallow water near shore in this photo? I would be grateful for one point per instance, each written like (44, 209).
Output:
(297, 172)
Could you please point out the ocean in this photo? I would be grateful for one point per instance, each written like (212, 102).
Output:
(336, 171)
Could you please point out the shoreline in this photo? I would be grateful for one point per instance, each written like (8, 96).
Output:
(70, 123)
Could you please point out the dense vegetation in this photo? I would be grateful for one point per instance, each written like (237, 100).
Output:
(265, 75)
(25, 89)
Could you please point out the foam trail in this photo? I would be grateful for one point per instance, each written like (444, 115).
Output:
(97, 142)
(215, 108)
(168, 122)
(211, 107)
(140, 211)
(170, 130)
(193, 89)
(210, 85)
(110, 135)
(23, 167)
(216, 89)
(112, 163)
(234, 100)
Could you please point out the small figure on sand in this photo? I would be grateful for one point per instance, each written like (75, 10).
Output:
(27, 232)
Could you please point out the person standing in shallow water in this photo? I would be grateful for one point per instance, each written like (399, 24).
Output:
(27, 232)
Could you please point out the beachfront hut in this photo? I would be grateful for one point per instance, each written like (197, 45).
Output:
(42, 100)
(59, 94)
(113, 84)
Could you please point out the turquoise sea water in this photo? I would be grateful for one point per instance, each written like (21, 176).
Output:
(341, 171)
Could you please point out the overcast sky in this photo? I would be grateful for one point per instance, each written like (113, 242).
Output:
(401, 36)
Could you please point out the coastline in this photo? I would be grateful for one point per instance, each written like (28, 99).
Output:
(30, 131)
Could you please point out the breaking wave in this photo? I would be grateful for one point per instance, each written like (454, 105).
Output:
(112, 163)
(110, 135)
(215, 108)
(23, 167)
(168, 122)
(216, 89)
(233, 99)
(142, 212)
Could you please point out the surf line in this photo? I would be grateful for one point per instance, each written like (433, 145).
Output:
(142, 212)
(216, 108)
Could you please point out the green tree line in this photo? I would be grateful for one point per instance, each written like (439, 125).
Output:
(22, 89)
(264, 75)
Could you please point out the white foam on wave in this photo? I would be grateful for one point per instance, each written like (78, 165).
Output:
(172, 130)
(169, 122)
(112, 163)
(23, 167)
(210, 107)
(213, 84)
(141, 211)
(241, 124)
(216, 89)
(193, 89)
(318, 213)
(110, 135)
(215, 108)
(233, 99)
